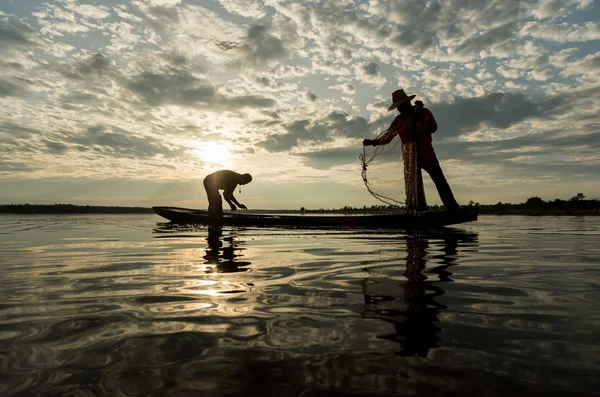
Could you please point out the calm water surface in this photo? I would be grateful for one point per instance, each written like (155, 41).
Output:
(121, 305)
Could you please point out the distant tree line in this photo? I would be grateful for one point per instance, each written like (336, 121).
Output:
(69, 209)
(577, 205)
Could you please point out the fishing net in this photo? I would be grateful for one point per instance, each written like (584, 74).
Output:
(391, 174)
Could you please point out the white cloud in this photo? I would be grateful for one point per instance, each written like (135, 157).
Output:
(543, 74)
(63, 28)
(163, 3)
(511, 85)
(527, 62)
(562, 58)
(438, 82)
(484, 75)
(346, 88)
(588, 67)
(562, 32)
(88, 10)
(508, 73)
(558, 8)
(245, 8)
(123, 12)
(123, 36)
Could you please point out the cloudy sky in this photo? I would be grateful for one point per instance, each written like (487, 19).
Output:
(133, 102)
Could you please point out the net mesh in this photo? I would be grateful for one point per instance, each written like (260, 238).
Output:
(393, 179)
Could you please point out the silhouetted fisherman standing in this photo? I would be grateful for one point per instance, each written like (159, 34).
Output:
(414, 125)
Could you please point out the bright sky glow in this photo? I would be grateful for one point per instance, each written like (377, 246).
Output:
(214, 153)
(134, 102)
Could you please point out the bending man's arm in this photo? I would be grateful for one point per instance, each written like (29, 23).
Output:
(228, 196)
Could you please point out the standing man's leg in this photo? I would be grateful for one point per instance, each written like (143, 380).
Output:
(437, 175)
(421, 201)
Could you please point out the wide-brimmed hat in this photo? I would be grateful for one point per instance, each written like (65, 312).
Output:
(398, 98)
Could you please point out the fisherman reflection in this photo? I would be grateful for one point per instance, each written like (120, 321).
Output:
(410, 306)
(222, 258)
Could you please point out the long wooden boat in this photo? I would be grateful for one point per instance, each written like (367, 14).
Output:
(425, 220)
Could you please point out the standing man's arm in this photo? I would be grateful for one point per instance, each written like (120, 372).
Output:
(430, 123)
(397, 126)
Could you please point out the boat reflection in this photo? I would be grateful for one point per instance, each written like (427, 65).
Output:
(410, 305)
(224, 258)
(223, 252)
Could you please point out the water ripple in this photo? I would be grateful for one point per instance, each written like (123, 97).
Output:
(123, 306)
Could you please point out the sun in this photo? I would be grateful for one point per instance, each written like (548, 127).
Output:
(214, 153)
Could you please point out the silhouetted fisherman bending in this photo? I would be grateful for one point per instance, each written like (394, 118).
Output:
(227, 181)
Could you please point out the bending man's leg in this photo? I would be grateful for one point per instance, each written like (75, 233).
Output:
(437, 175)
(215, 203)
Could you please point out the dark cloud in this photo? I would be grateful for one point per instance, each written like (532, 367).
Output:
(98, 63)
(270, 82)
(77, 98)
(284, 142)
(253, 101)
(264, 81)
(370, 69)
(9, 88)
(474, 44)
(271, 114)
(463, 115)
(17, 138)
(498, 155)
(14, 166)
(176, 59)
(420, 25)
(417, 12)
(272, 123)
(162, 20)
(13, 65)
(335, 124)
(311, 97)
(226, 45)
(55, 147)
(181, 88)
(531, 156)
(418, 40)
(12, 129)
(95, 65)
(165, 13)
(347, 126)
(14, 32)
(115, 142)
(325, 159)
(101, 139)
(500, 110)
(177, 87)
(552, 144)
(261, 46)
(501, 12)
